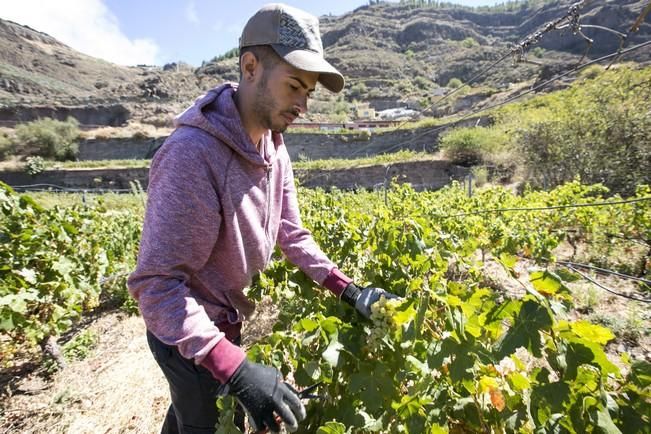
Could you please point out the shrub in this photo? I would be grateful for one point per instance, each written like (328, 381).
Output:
(538, 52)
(591, 72)
(454, 83)
(6, 146)
(358, 90)
(421, 82)
(233, 52)
(473, 146)
(49, 138)
(480, 175)
(598, 130)
(35, 165)
(469, 43)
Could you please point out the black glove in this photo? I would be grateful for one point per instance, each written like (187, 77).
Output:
(362, 298)
(261, 391)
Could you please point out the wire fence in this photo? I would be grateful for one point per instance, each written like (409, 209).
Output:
(544, 208)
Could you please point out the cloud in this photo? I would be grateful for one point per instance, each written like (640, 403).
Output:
(191, 13)
(85, 25)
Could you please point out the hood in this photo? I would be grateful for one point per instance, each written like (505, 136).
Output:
(216, 113)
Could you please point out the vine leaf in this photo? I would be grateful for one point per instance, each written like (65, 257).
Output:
(525, 332)
(331, 354)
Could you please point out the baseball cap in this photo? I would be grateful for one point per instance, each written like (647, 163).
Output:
(294, 35)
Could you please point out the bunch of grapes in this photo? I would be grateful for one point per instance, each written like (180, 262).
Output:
(382, 316)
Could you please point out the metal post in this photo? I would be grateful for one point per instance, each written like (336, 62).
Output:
(386, 185)
(470, 184)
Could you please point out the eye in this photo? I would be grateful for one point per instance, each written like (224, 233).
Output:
(293, 87)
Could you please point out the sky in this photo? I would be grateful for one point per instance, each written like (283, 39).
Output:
(155, 32)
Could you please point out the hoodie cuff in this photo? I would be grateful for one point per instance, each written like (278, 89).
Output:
(223, 360)
(336, 281)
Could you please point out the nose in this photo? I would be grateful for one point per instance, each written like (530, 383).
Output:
(301, 104)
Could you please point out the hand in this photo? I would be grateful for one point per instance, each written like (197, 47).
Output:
(363, 298)
(261, 391)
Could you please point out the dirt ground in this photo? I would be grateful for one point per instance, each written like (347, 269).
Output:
(118, 388)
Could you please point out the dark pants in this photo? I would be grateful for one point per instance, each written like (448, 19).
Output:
(192, 388)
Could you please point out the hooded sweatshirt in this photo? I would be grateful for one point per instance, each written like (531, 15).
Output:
(216, 209)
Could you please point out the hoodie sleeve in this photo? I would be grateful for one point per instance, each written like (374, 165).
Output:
(180, 230)
(297, 243)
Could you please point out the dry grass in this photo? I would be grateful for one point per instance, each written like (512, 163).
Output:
(133, 129)
(118, 389)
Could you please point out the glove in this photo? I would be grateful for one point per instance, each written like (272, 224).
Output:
(261, 391)
(363, 298)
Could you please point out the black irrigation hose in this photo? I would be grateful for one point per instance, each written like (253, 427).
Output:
(545, 208)
(605, 288)
(60, 189)
(604, 271)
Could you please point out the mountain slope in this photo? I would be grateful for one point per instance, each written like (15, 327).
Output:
(392, 55)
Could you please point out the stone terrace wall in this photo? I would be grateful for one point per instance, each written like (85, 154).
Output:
(300, 146)
(421, 174)
(119, 149)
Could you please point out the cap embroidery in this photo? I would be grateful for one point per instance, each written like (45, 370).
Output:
(292, 34)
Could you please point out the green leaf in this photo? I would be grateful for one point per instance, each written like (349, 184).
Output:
(330, 324)
(547, 400)
(568, 276)
(29, 275)
(525, 332)
(604, 423)
(579, 351)
(331, 354)
(421, 367)
(508, 260)
(518, 381)
(308, 324)
(7, 322)
(332, 428)
(438, 429)
(576, 355)
(26, 201)
(547, 283)
(63, 266)
(640, 373)
(374, 385)
(592, 332)
(461, 367)
(313, 369)
(410, 406)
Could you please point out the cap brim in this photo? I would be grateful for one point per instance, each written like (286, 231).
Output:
(306, 60)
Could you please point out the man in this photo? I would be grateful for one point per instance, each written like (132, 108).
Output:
(221, 195)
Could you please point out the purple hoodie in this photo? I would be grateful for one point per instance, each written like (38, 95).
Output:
(215, 211)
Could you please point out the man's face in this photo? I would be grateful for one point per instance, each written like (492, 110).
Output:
(281, 95)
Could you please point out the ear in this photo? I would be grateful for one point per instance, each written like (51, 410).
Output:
(250, 66)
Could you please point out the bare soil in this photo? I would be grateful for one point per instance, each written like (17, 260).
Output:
(118, 388)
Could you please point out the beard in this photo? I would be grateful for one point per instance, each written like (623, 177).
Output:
(265, 108)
